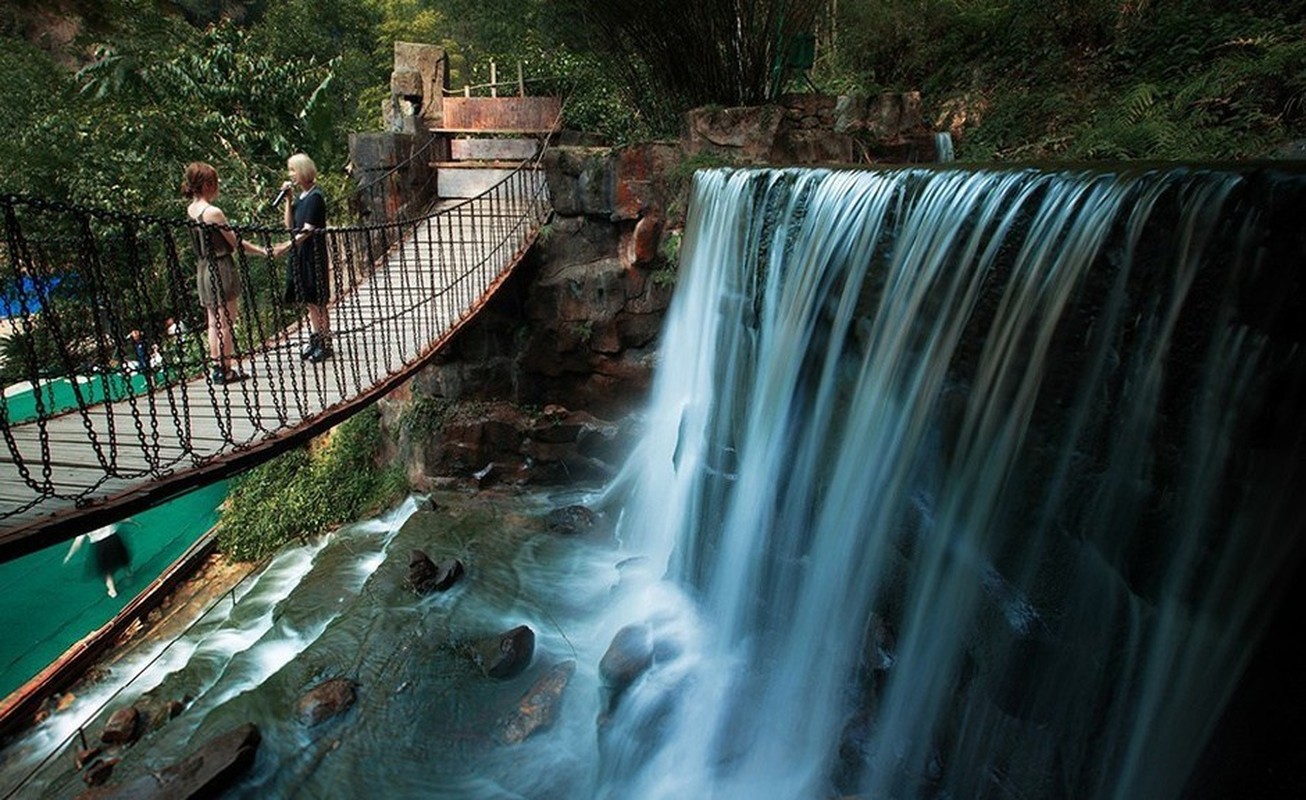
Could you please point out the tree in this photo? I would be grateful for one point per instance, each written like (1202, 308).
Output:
(676, 54)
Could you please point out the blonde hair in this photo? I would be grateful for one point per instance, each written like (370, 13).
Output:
(198, 177)
(302, 167)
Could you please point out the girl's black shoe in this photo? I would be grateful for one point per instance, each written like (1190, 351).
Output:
(221, 377)
(313, 341)
(322, 351)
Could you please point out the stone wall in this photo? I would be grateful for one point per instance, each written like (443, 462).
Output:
(393, 193)
(816, 129)
(417, 84)
(544, 386)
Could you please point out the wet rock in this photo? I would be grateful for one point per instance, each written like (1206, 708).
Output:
(878, 653)
(506, 655)
(86, 756)
(207, 772)
(628, 657)
(425, 576)
(447, 573)
(421, 572)
(746, 133)
(644, 243)
(326, 700)
(570, 520)
(538, 707)
(579, 179)
(154, 712)
(643, 178)
(122, 727)
(99, 772)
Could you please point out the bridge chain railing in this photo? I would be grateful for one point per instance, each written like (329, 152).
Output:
(85, 285)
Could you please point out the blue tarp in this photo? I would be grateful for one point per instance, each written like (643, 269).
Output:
(28, 293)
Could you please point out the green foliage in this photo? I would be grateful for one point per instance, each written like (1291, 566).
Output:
(243, 84)
(1084, 79)
(154, 92)
(1242, 96)
(54, 354)
(425, 416)
(673, 55)
(669, 251)
(664, 276)
(594, 101)
(583, 331)
(249, 110)
(305, 492)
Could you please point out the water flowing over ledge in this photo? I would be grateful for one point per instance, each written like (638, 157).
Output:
(970, 483)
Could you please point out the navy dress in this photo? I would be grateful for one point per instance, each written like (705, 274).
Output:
(307, 280)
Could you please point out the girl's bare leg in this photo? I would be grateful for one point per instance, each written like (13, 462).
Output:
(319, 320)
(215, 336)
(229, 333)
(222, 337)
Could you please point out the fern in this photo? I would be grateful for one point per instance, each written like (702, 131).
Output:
(1139, 101)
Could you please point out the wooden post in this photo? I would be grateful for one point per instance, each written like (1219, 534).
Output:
(494, 90)
(467, 90)
(521, 82)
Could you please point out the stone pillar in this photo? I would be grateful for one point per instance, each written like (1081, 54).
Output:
(373, 155)
(416, 102)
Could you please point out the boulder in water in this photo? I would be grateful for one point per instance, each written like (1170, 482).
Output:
(421, 571)
(86, 756)
(539, 706)
(570, 520)
(326, 700)
(425, 577)
(154, 712)
(448, 573)
(506, 655)
(207, 772)
(99, 771)
(123, 726)
(628, 656)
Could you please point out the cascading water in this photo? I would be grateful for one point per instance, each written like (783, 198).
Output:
(943, 146)
(966, 484)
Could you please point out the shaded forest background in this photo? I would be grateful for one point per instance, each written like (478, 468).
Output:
(104, 101)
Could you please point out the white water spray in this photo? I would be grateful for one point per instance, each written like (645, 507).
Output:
(929, 523)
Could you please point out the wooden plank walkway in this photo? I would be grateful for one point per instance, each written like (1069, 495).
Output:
(88, 467)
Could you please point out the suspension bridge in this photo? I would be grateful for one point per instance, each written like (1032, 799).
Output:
(97, 430)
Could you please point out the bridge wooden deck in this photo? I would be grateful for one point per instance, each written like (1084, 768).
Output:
(73, 472)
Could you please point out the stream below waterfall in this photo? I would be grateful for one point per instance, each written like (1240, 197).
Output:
(428, 722)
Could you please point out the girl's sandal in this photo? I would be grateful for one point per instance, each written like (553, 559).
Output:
(229, 375)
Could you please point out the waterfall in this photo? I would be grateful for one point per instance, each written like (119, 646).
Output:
(943, 146)
(960, 483)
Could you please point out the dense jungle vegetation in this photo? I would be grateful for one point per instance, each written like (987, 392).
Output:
(103, 101)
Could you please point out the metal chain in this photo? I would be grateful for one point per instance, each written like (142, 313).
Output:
(129, 272)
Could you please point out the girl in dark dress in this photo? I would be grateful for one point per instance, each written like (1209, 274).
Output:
(307, 277)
